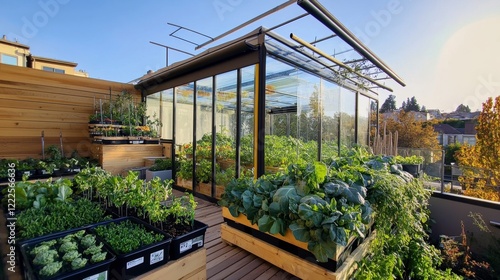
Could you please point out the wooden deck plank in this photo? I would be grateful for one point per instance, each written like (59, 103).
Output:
(258, 271)
(245, 269)
(219, 264)
(234, 268)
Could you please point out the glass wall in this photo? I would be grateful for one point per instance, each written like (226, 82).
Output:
(204, 137)
(225, 127)
(347, 118)
(153, 111)
(364, 111)
(247, 89)
(294, 107)
(195, 123)
(330, 119)
(167, 114)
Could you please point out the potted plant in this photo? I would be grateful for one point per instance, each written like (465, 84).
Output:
(26, 168)
(45, 167)
(162, 168)
(410, 164)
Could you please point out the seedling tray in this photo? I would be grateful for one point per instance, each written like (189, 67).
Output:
(189, 242)
(98, 270)
(147, 258)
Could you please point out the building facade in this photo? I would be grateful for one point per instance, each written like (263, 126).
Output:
(14, 53)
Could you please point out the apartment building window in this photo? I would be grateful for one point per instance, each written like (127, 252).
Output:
(8, 59)
(51, 69)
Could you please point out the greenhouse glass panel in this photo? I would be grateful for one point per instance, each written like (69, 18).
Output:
(292, 115)
(347, 118)
(225, 126)
(247, 119)
(363, 120)
(153, 113)
(204, 107)
(330, 119)
(167, 114)
(184, 117)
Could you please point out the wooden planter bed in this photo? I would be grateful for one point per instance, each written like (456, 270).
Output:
(272, 251)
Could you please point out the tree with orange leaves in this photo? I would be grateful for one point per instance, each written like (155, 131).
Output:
(481, 162)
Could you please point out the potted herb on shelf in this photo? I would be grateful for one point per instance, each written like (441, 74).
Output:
(162, 168)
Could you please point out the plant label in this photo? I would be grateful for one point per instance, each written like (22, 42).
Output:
(184, 246)
(135, 262)
(156, 257)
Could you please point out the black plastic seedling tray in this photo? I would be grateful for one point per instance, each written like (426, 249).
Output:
(189, 242)
(147, 258)
(99, 270)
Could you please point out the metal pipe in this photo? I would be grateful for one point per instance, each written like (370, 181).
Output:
(271, 11)
(323, 39)
(182, 27)
(442, 172)
(288, 21)
(336, 61)
(314, 8)
(288, 44)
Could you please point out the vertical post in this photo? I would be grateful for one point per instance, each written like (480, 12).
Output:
(261, 105)
(238, 122)
(214, 132)
(174, 141)
(442, 172)
(166, 56)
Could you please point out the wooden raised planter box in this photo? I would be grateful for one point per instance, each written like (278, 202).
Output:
(287, 261)
(203, 188)
(192, 266)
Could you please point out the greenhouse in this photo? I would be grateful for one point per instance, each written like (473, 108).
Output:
(260, 102)
(260, 157)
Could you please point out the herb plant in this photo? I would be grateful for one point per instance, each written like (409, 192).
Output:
(58, 216)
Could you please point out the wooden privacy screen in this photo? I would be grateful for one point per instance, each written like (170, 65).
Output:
(34, 100)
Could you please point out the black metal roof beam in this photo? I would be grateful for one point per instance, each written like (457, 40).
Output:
(314, 8)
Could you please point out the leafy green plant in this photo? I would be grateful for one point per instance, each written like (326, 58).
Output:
(204, 171)
(185, 169)
(320, 214)
(58, 216)
(409, 159)
(161, 164)
(66, 253)
(126, 236)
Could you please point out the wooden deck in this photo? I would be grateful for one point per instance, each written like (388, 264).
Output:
(230, 262)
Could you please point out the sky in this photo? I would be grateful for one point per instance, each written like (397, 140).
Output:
(446, 51)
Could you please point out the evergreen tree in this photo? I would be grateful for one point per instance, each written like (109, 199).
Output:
(411, 105)
(462, 109)
(389, 104)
